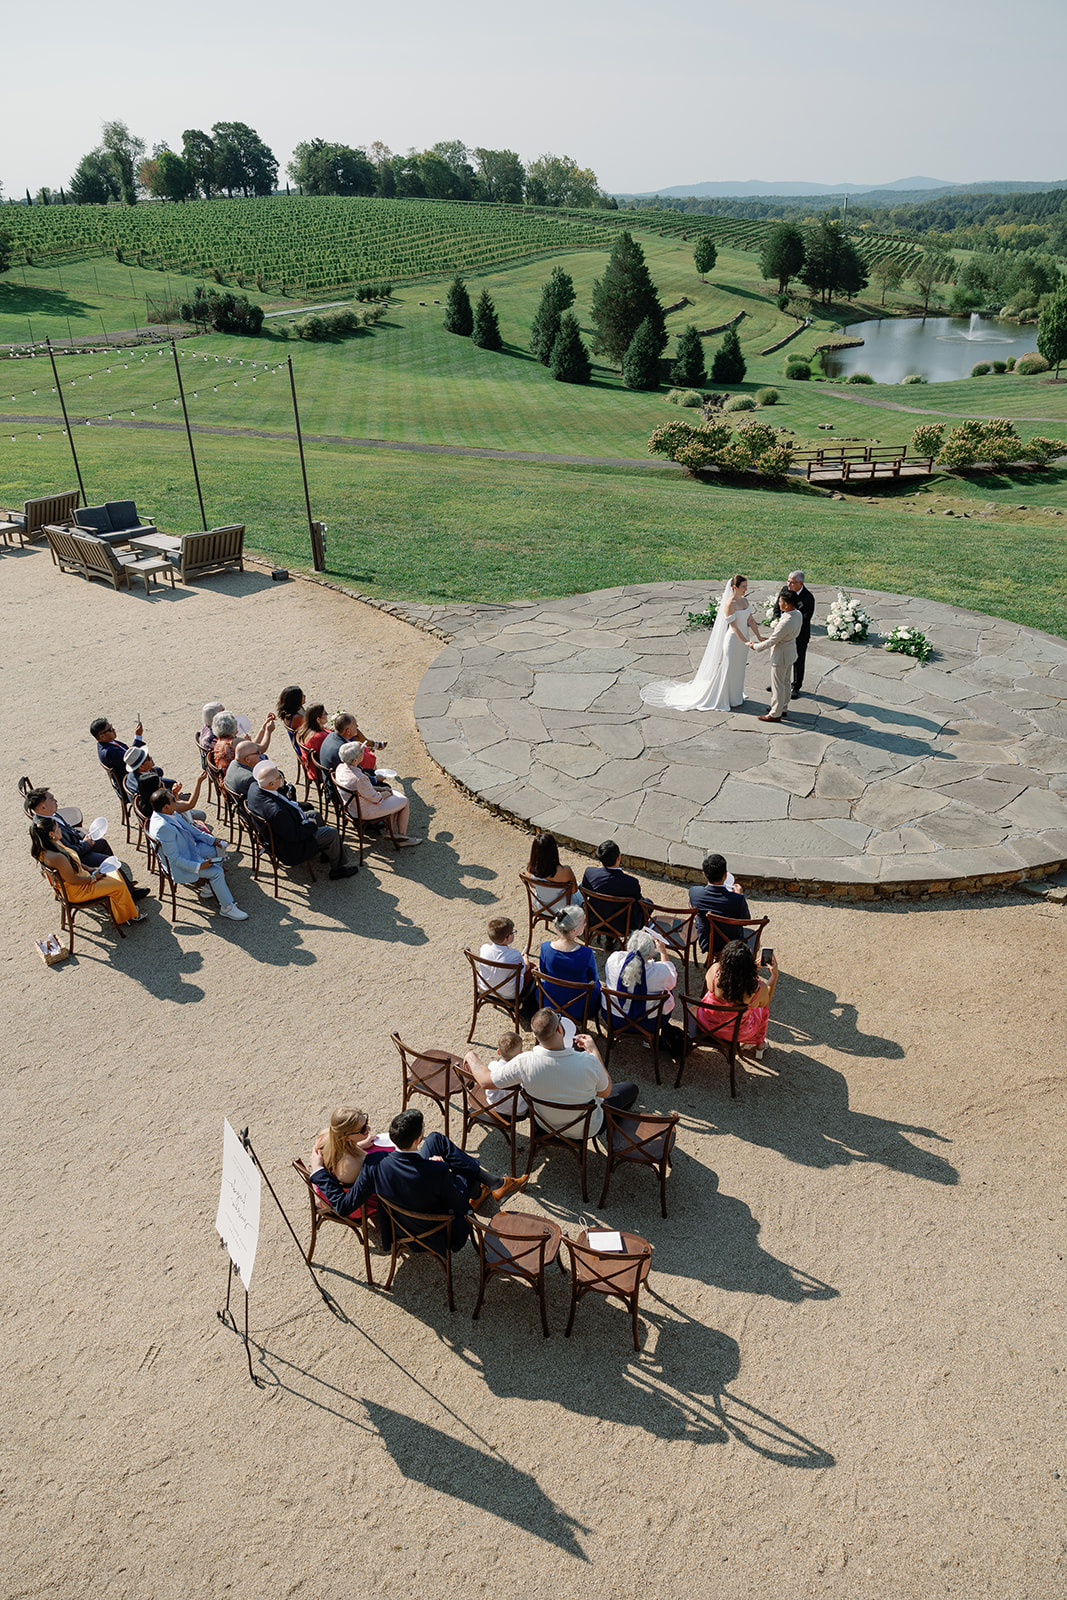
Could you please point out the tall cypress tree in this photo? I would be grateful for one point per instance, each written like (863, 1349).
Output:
(729, 363)
(570, 359)
(623, 299)
(640, 364)
(688, 370)
(459, 318)
(556, 296)
(485, 332)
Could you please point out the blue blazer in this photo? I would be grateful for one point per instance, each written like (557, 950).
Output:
(404, 1178)
(183, 847)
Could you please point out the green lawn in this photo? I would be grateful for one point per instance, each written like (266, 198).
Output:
(437, 528)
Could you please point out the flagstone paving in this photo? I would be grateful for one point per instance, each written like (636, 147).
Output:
(888, 776)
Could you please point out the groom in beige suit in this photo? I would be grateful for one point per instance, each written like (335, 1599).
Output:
(782, 643)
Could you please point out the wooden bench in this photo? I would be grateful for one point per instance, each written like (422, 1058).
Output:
(211, 551)
(65, 552)
(91, 557)
(36, 515)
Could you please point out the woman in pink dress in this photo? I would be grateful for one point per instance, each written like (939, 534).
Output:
(369, 803)
(734, 980)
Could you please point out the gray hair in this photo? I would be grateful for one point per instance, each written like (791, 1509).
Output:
(224, 725)
(569, 918)
(211, 710)
(351, 752)
(794, 576)
(341, 721)
(640, 943)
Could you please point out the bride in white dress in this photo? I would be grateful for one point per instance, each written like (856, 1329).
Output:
(720, 681)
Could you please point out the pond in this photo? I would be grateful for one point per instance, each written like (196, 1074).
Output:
(941, 348)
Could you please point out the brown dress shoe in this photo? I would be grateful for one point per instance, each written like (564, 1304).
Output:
(510, 1186)
(768, 719)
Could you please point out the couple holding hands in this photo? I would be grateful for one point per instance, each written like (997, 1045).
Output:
(720, 681)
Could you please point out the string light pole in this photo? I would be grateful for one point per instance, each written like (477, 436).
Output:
(188, 433)
(318, 553)
(66, 422)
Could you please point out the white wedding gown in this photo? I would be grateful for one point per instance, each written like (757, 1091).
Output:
(719, 684)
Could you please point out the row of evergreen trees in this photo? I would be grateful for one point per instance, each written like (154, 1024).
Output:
(629, 320)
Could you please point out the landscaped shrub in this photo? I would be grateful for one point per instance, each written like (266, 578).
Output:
(690, 398)
(860, 377)
(927, 438)
(1045, 450)
(1030, 363)
(740, 402)
(1010, 363)
(768, 397)
(799, 370)
(755, 447)
(1000, 366)
(995, 441)
(913, 377)
(980, 369)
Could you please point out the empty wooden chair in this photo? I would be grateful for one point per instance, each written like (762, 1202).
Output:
(432, 1073)
(613, 1274)
(429, 1233)
(497, 984)
(515, 1245)
(676, 926)
(643, 1139)
(322, 1212)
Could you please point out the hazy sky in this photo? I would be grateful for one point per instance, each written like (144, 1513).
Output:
(647, 95)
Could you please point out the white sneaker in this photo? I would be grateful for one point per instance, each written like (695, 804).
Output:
(234, 913)
(207, 892)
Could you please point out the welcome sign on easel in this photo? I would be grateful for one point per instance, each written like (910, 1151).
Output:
(237, 1222)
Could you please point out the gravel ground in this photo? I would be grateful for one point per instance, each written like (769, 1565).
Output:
(850, 1380)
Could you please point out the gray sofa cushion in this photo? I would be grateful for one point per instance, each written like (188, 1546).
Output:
(94, 519)
(123, 514)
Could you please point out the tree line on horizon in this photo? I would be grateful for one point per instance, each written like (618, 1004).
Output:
(232, 159)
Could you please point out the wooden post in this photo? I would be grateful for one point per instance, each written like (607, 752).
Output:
(318, 558)
(189, 434)
(66, 422)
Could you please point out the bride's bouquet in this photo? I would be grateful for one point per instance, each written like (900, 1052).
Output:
(767, 614)
(846, 619)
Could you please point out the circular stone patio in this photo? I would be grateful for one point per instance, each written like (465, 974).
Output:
(888, 777)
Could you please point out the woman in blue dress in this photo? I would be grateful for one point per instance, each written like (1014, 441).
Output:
(567, 957)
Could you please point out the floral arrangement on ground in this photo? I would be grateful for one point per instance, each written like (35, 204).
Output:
(846, 619)
(909, 642)
(703, 619)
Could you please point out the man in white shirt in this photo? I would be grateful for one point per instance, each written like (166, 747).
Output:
(573, 1075)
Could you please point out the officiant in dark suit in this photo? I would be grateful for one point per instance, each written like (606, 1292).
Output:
(804, 601)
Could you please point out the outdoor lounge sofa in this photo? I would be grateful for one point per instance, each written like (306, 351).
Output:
(211, 551)
(116, 522)
(30, 523)
(91, 557)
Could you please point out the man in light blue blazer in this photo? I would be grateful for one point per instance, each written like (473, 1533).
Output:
(191, 855)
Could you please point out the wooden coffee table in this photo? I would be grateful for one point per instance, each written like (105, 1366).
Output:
(161, 544)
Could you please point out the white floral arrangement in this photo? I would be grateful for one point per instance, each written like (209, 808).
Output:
(846, 619)
(767, 617)
(909, 642)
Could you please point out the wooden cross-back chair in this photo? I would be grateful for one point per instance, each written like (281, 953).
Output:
(501, 1116)
(432, 1073)
(492, 980)
(69, 909)
(579, 1000)
(515, 1245)
(734, 928)
(543, 899)
(611, 918)
(676, 926)
(425, 1232)
(697, 1033)
(642, 1019)
(641, 1138)
(616, 1275)
(572, 1132)
(321, 1213)
(265, 835)
(332, 802)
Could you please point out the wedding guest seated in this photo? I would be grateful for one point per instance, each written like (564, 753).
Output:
(110, 749)
(608, 878)
(147, 784)
(207, 736)
(372, 804)
(297, 836)
(346, 730)
(501, 948)
(226, 728)
(81, 883)
(735, 980)
(715, 898)
(643, 969)
(437, 1178)
(570, 1075)
(191, 856)
(41, 804)
(139, 764)
(567, 957)
(238, 775)
(544, 865)
(312, 733)
(344, 1147)
(508, 1046)
(290, 711)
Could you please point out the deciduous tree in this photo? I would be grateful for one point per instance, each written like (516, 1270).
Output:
(889, 273)
(124, 151)
(321, 167)
(198, 153)
(705, 255)
(459, 318)
(1052, 331)
(933, 266)
(570, 359)
(560, 181)
(242, 160)
(624, 298)
(94, 182)
(502, 175)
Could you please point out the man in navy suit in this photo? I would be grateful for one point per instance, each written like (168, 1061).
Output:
(438, 1178)
(297, 837)
(609, 879)
(715, 898)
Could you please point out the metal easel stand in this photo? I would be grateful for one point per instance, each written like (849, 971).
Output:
(226, 1316)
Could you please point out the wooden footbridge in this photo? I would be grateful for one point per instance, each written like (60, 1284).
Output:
(866, 464)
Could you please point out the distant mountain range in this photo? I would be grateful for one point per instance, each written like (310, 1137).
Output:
(758, 188)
